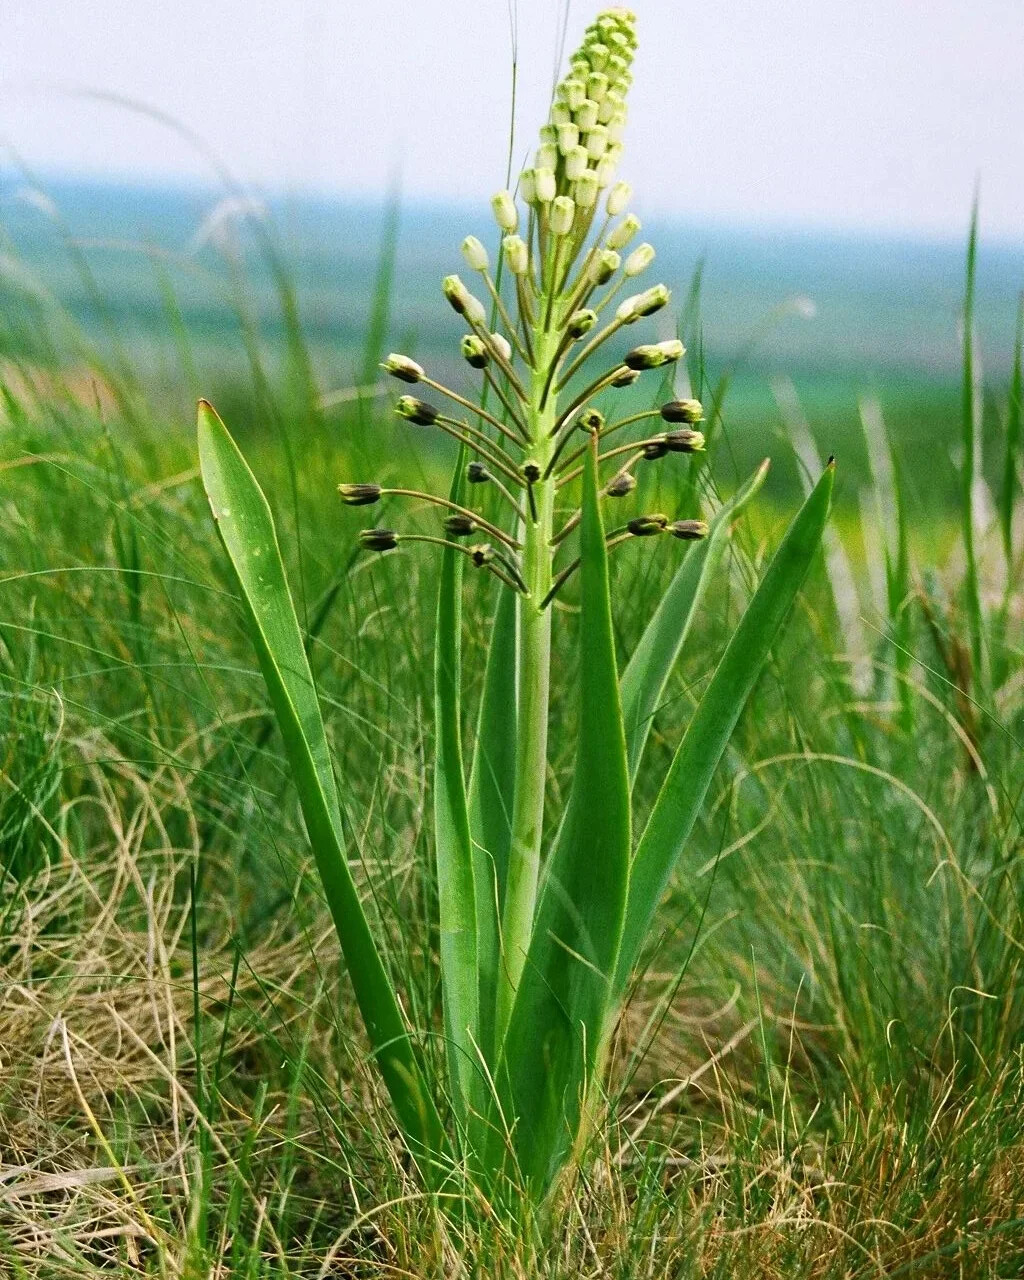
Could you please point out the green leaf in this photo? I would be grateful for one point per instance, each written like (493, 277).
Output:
(555, 1037)
(491, 797)
(1015, 410)
(246, 528)
(711, 727)
(456, 888)
(643, 681)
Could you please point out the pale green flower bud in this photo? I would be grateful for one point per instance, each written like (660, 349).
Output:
(688, 411)
(576, 163)
(598, 55)
(545, 184)
(517, 256)
(597, 85)
(547, 156)
(563, 213)
(616, 129)
(474, 351)
(418, 412)
(585, 114)
(652, 355)
(502, 345)
(605, 171)
(548, 133)
(528, 185)
(560, 113)
(621, 235)
(609, 106)
(568, 138)
(591, 421)
(476, 255)
(625, 378)
(597, 142)
(619, 196)
(506, 215)
(580, 323)
(579, 69)
(617, 66)
(586, 190)
(648, 526)
(575, 91)
(462, 301)
(614, 152)
(685, 440)
(639, 260)
(605, 266)
(402, 367)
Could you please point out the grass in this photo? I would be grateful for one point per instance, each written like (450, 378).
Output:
(819, 1071)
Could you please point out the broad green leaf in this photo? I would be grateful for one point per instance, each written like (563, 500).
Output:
(643, 681)
(553, 1045)
(456, 889)
(491, 796)
(711, 727)
(246, 528)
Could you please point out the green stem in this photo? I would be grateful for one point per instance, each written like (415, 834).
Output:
(534, 677)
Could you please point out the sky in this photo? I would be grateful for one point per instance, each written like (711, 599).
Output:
(874, 115)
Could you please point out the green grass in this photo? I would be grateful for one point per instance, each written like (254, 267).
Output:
(819, 1073)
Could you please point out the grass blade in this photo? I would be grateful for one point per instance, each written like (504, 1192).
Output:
(1013, 440)
(491, 796)
(247, 531)
(456, 889)
(553, 1043)
(971, 413)
(647, 671)
(708, 733)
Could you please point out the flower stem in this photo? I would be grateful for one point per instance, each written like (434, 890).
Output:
(533, 687)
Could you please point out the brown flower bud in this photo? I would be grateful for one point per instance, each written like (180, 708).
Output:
(359, 495)
(688, 411)
(688, 530)
(378, 539)
(647, 526)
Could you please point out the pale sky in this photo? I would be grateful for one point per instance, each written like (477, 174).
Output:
(866, 114)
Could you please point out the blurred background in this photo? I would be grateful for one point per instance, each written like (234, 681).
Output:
(197, 183)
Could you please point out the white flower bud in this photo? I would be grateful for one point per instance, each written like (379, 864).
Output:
(568, 137)
(597, 142)
(528, 185)
(619, 196)
(576, 163)
(585, 190)
(621, 235)
(546, 186)
(605, 171)
(575, 91)
(673, 349)
(506, 215)
(626, 311)
(402, 367)
(614, 152)
(475, 311)
(476, 255)
(502, 345)
(563, 213)
(585, 114)
(639, 260)
(608, 108)
(547, 156)
(517, 256)
(616, 128)
(597, 85)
